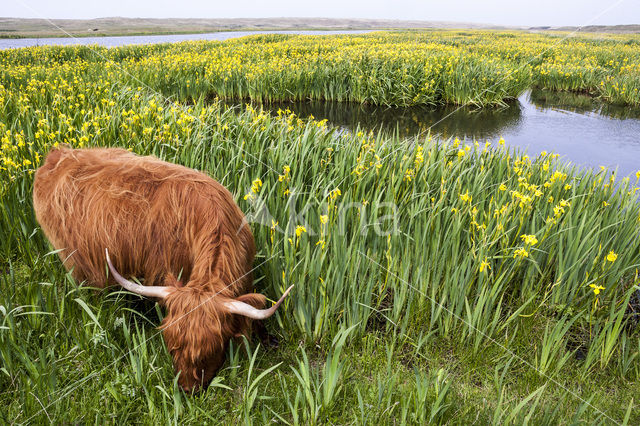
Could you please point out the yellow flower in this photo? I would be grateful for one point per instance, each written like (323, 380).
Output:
(461, 153)
(408, 175)
(334, 194)
(256, 185)
(611, 257)
(503, 187)
(285, 176)
(638, 174)
(557, 211)
(596, 288)
(529, 239)
(465, 197)
(300, 230)
(484, 265)
(501, 141)
(419, 156)
(521, 252)
(324, 218)
(567, 187)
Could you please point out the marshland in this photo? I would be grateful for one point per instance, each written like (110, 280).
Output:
(438, 279)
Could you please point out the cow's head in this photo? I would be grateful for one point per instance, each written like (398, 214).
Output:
(199, 324)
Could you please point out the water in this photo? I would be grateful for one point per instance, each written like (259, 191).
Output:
(150, 39)
(581, 131)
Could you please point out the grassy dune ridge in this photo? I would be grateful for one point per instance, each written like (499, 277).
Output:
(113, 26)
(21, 27)
(434, 281)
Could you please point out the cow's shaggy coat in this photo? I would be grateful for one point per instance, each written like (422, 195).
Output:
(159, 221)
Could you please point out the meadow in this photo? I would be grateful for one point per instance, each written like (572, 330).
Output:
(436, 281)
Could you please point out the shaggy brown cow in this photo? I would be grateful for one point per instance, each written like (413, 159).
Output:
(158, 221)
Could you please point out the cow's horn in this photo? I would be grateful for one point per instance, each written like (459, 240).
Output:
(148, 291)
(241, 308)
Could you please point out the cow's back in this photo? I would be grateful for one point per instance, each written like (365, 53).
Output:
(147, 212)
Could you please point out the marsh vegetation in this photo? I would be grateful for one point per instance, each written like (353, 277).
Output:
(435, 282)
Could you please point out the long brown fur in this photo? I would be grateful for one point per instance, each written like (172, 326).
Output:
(159, 221)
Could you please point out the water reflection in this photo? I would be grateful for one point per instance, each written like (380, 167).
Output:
(445, 121)
(584, 132)
(580, 103)
(115, 41)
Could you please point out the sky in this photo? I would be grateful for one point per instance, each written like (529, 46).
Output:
(499, 12)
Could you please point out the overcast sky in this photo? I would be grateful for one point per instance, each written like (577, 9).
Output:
(502, 12)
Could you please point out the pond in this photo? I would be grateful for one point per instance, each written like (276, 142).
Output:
(582, 131)
(150, 39)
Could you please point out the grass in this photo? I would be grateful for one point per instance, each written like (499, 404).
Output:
(435, 282)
